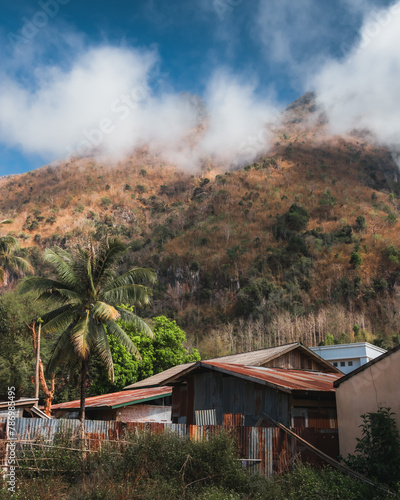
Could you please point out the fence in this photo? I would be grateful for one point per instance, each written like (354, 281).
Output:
(267, 450)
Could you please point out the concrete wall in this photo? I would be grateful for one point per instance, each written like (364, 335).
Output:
(378, 385)
(348, 357)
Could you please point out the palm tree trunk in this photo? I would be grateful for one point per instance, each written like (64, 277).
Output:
(83, 396)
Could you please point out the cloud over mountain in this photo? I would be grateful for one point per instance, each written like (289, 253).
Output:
(104, 102)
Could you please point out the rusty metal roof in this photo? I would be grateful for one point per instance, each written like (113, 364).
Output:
(284, 378)
(117, 399)
(158, 379)
(281, 378)
(252, 358)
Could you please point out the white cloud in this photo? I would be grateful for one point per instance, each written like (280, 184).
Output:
(103, 103)
(237, 122)
(362, 91)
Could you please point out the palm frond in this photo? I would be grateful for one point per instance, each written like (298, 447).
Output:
(105, 312)
(80, 334)
(9, 244)
(108, 257)
(118, 333)
(134, 294)
(101, 346)
(62, 262)
(1, 275)
(56, 312)
(63, 296)
(39, 285)
(136, 321)
(61, 321)
(136, 275)
(89, 270)
(14, 262)
(63, 351)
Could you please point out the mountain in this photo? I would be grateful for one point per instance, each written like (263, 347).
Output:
(300, 243)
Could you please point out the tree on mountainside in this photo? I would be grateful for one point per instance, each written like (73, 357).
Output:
(8, 260)
(84, 305)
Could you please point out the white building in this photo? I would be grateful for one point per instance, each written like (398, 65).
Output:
(348, 357)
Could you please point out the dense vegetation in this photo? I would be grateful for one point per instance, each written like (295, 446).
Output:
(166, 466)
(17, 359)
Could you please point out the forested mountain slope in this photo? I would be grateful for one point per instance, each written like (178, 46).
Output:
(301, 243)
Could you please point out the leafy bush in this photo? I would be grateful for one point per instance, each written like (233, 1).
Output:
(392, 254)
(295, 220)
(345, 234)
(361, 224)
(378, 450)
(355, 260)
(165, 350)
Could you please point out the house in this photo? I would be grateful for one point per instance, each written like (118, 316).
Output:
(140, 405)
(23, 407)
(289, 383)
(299, 398)
(348, 357)
(372, 385)
(292, 356)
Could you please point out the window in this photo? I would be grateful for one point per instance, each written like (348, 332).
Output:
(343, 363)
(350, 363)
(335, 363)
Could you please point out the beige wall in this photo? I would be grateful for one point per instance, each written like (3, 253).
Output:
(378, 385)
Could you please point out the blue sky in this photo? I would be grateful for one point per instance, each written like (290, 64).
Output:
(274, 46)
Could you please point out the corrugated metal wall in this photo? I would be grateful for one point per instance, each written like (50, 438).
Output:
(264, 450)
(213, 390)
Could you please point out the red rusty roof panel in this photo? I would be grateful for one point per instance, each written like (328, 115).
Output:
(301, 380)
(116, 399)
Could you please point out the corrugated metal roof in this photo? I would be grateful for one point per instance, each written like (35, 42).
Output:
(253, 358)
(159, 378)
(19, 403)
(115, 399)
(282, 378)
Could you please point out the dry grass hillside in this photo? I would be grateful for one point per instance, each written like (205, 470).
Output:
(235, 271)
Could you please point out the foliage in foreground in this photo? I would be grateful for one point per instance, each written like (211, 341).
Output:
(166, 466)
(378, 451)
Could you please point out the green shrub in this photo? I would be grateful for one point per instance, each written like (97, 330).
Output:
(392, 254)
(355, 260)
(361, 224)
(378, 450)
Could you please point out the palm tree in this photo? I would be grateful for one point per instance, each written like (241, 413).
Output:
(87, 301)
(8, 260)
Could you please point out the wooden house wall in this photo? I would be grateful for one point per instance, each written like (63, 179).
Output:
(297, 360)
(227, 394)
